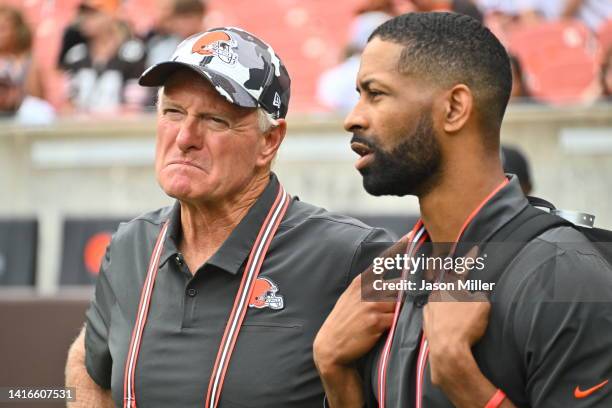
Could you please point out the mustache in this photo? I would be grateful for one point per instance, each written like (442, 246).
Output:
(357, 138)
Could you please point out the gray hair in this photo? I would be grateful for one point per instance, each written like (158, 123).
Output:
(265, 121)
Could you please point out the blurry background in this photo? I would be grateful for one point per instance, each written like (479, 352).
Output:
(77, 133)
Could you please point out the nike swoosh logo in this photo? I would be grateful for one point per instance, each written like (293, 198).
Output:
(578, 393)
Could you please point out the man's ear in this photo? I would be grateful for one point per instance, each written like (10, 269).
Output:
(271, 142)
(458, 108)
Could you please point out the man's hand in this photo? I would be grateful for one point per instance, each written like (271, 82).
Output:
(351, 330)
(452, 327)
(453, 320)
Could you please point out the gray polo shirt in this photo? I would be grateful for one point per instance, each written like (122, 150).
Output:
(544, 337)
(311, 260)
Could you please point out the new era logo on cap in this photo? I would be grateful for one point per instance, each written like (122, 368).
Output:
(241, 67)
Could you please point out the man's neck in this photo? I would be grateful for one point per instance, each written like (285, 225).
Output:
(446, 207)
(205, 226)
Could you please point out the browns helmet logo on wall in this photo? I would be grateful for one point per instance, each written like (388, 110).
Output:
(94, 251)
(216, 44)
(264, 295)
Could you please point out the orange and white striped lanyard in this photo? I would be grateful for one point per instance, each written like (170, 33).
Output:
(236, 317)
(420, 236)
(417, 237)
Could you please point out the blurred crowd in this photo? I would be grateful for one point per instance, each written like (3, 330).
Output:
(581, 30)
(100, 59)
(101, 55)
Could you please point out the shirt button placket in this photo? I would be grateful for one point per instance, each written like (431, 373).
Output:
(189, 305)
(190, 293)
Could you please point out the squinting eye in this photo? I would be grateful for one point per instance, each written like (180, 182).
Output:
(217, 123)
(172, 113)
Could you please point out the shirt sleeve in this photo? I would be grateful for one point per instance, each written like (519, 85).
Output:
(564, 332)
(375, 243)
(98, 359)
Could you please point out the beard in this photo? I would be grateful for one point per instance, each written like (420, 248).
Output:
(411, 168)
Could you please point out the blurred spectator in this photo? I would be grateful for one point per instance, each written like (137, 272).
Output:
(178, 19)
(403, 7)
(593, 13)
(15, 59)
(515, 162)
(394, 7)
(606, 76)
(103, 71)
(467, 7)
(20, 83)
(384, 6)
(336, 87)
(72, 36)
(501, 16)
(187, 17)
(520, 91)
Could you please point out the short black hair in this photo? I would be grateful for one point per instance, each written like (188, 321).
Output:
(451, 48)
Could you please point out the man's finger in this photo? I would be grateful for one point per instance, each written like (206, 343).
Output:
(457, 296)
(380, 289)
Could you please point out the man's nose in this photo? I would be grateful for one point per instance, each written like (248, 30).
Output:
(190, 135)
(356, 119)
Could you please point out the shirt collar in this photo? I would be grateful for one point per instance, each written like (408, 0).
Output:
(236, 248)
(500, 209)
(506, 204)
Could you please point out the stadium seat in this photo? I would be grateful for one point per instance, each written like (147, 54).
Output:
(558, 60)
(566, 78)
(18, 245)
(540, 38)
(84, 245)
(538, 44)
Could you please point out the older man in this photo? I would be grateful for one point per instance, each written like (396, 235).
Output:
(216, 300)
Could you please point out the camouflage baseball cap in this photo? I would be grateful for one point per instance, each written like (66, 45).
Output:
(241, 67)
